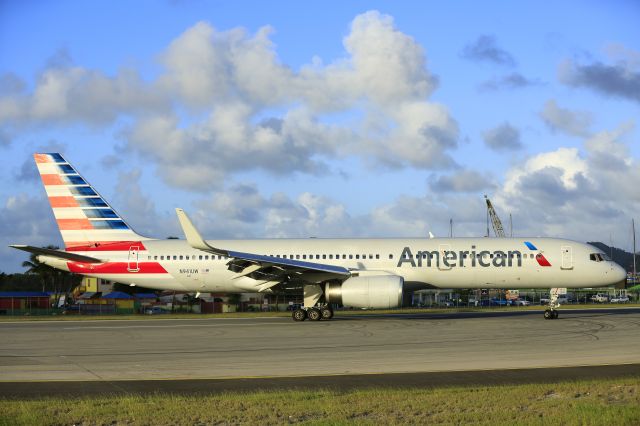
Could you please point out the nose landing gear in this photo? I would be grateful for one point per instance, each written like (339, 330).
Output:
(551, 312)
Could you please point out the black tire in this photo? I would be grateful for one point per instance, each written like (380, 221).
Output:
(299, 315)
(327, 313)
(314, 314)
(555, 314)
(548, 314)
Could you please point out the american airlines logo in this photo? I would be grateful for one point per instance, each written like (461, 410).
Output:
(471, 258)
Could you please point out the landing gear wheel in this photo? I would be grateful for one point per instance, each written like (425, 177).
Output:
(327, 313)
(555, 314)
(314, 314)
(299, 315)
(548, 314)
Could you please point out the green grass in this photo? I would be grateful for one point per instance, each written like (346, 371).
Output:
(600, 402)
(287, 314)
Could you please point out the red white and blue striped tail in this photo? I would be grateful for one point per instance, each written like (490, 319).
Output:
(86, 221)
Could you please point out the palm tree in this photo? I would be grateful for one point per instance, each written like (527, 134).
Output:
(53, 279)
(35, 267)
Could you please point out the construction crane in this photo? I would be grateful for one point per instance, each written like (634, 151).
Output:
(495, 220)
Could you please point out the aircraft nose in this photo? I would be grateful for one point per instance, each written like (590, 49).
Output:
(618, 274)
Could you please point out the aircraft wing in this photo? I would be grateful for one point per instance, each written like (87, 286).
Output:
(255, 265)
(65, 255)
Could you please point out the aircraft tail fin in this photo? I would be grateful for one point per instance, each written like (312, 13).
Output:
(85, 220)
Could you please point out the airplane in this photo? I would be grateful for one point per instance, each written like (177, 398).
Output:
(360, 273)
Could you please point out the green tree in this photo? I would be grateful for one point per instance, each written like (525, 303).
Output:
(190, 300)
(44, 272)
(52, 279)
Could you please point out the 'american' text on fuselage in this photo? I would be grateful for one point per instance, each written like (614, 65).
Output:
(451, 258)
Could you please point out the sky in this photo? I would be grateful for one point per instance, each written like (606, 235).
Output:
(325, 119)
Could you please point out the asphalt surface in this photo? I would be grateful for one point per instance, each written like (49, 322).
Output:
(26, 390)
(211, 355)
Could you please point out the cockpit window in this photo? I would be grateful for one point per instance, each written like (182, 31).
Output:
(598, 257)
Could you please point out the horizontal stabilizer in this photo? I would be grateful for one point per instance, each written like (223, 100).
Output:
(73, 257)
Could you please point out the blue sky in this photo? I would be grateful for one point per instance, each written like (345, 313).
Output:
(275, 119)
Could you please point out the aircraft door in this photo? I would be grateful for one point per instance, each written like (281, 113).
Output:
(132, 264)
(567, 257)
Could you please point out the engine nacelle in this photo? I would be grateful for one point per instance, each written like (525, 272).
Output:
(376, 291)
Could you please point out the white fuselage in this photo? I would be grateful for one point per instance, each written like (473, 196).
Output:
(423, 263)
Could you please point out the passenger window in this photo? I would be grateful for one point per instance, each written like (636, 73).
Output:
(175, 257)
(161, 257)
(317, 256)
(206, 257)
(324, 256)
(377, 256)
(344, 256)
(330, 256)
(155, 257)
(304, 256)
(186, 257)
(390, 256)
(350, 256)
(297, 256)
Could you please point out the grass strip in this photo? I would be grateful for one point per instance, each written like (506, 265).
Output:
(593, 402)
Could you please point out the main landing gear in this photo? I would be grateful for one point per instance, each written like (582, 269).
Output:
(313, 314)
(551, 312)
(315, 307)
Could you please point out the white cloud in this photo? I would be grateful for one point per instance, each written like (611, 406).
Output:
(75, 94)
(463, 180)
(384, 75)
(225, 102)
(579, 193)
(566, 160)
(504, 137)
(575, 123)
(485, 49)
(139, 210)
(388, 66)
(25, 220)
(621, 79)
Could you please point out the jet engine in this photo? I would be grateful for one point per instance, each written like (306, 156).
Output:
(377, 291)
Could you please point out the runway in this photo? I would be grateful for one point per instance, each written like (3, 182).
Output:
(372, 345)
